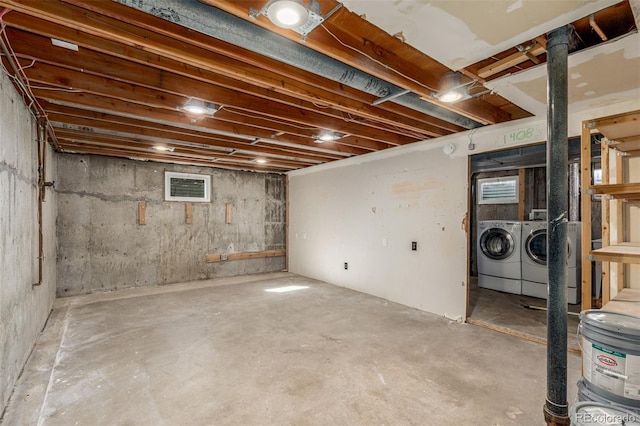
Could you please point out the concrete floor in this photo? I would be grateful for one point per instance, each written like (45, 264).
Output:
(521, 314)
(228, 352)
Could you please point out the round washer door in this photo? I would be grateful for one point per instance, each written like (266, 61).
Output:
(536, 246)
(497, 244)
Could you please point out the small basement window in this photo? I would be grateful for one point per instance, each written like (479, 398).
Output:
(187, 187)
(502, 190)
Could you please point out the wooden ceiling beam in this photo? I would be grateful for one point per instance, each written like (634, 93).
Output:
(383, 56)
(81, 149)
(115, 125)
(91, 102)
(254, 71)
(84, 81)
(115, 140)
(179, 153)
(194, 40)
(510, 61)
(357, 143)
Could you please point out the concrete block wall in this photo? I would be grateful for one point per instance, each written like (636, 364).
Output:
(102, 247)
(24, 308)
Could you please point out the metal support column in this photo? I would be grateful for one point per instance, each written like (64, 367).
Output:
(556, 407)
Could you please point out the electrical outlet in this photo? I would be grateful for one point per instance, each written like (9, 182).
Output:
(414, 245)
(223, 257)
(346, 265)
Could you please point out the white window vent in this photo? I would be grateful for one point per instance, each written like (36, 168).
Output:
(503, 190)
(187, 187)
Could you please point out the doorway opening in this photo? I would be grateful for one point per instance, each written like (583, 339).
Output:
(507, 249)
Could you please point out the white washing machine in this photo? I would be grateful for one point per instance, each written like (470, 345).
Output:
(534, 260)
(498, 251)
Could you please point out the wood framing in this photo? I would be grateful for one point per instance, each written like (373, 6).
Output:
(142, 208)
(621, 133)
(221, 257)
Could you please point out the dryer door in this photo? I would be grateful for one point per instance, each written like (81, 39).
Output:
(536, 246)
(497, 244)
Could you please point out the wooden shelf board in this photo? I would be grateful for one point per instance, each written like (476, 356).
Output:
(621, 190)
(626, 302)
(619, 126)
(621, 253)
(628, 145)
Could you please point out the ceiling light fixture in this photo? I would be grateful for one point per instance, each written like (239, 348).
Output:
(163, 148)
(327, 136)
(287, 13)
(261, 160)
(294, 14)
(64, 44)
(198, 107)
(451, 88)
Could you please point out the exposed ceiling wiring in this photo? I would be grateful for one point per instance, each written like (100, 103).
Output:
(21, 80)
(234, 111)
(430, 89)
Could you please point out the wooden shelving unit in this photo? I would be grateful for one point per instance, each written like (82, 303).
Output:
(621, 137)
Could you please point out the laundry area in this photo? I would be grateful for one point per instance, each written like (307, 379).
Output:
(508, 289)
(316, 212)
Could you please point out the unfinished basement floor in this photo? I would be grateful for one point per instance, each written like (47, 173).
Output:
(231, 352)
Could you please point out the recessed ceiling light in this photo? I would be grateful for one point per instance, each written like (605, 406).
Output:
(287, 13)
(451, 88)
(261, 160)
(450, 96)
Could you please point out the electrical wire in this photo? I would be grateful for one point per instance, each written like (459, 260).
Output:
(21, 80)
(234, 111)
(430, 89)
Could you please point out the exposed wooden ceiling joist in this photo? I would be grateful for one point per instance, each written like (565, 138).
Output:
(132, 70)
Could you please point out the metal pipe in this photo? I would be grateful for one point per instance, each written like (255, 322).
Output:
(556, 407)
(42, 149)
(596, 28)
(231, 29)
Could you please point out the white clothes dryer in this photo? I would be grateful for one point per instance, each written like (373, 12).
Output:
(499, 264)
(534, 260)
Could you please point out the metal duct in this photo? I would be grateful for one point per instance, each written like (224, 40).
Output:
(226, 27)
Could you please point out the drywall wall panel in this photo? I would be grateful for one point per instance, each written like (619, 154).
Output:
(102, 245)
(24, 307)
(346, 211)
(366, 216)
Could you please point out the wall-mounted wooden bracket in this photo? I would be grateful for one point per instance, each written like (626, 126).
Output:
(188, 213)
(213, 258)
(227, 216)
(142, 208)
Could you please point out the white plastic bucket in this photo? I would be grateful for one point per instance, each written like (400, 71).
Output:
(597, 414)
(586, 395)
(611, 355)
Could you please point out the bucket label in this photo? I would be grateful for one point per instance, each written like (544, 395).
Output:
(613, 371)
